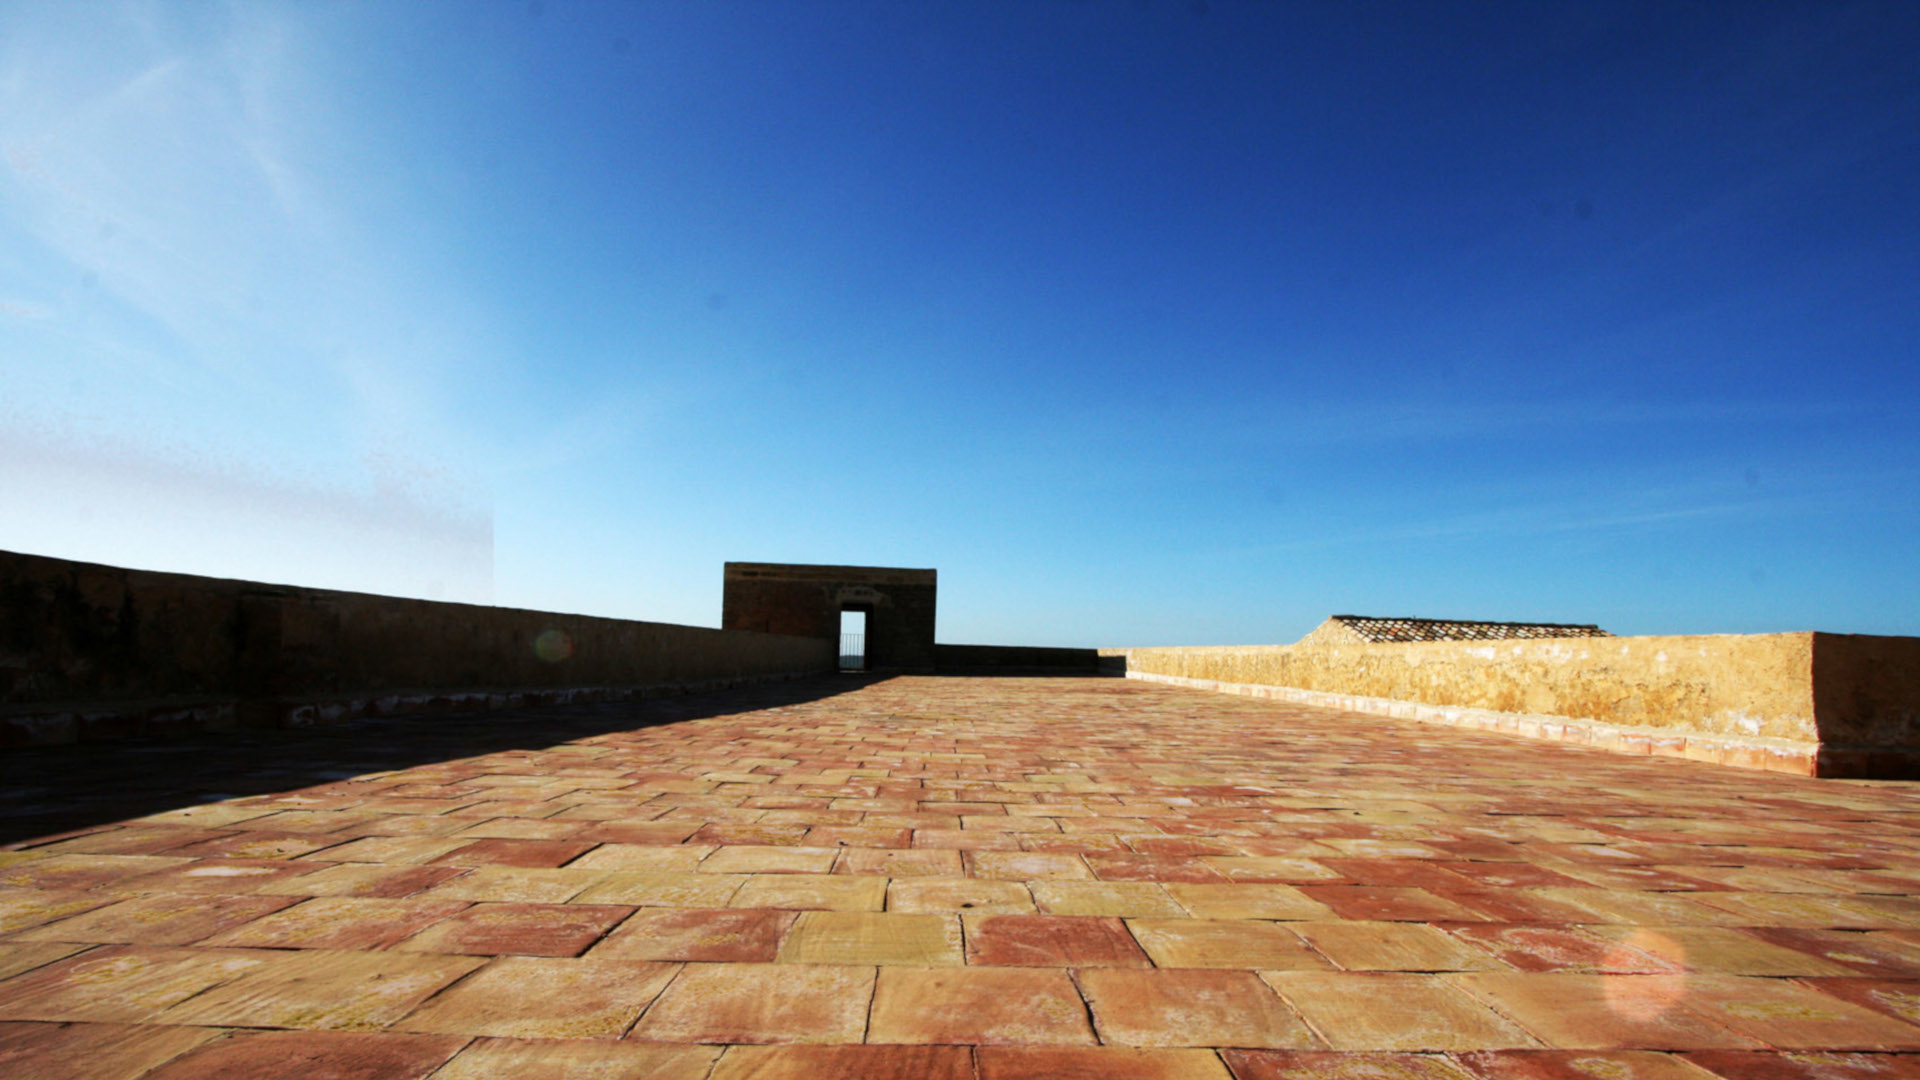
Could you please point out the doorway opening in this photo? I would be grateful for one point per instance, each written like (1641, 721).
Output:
(853, 640)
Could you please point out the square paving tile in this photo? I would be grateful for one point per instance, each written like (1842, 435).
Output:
(122, 983)
(1097, 1063)
(936, 896)
(518, 929)
(759, 859)
(335, 1055)
(1191, 1008)
(95, 1051)
(354, 991)
(1225, 943)
(761, 1003)
(871, 937)
(988, 1006)
(338, 922)
(1602, 1012)
(1390, 946)
(1077, 941)
(577, 1059)
(726, 935)
(1127, 899)
(544, 998)
(356, 879)
(1367, 1011)
(162, 919)
(812, 891)
(861, 1062)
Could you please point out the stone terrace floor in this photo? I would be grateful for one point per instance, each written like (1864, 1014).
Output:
(945, 878)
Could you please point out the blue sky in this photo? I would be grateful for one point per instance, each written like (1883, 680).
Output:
(1145, 323)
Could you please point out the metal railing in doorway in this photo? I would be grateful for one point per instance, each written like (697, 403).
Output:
(853, 652)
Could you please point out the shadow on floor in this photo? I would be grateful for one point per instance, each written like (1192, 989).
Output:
(55, 789)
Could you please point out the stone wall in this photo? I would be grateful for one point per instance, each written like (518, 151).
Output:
(1820, 704)
(807, 599)
(90, 651)
(960, 659)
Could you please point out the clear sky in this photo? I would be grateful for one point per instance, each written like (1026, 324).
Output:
(1143, 322)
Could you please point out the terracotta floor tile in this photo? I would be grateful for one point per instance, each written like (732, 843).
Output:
(1792, 904)
(899, 862)
(1240, 901)
(657, 858)
(647, 889)
(1390, 946)
(638, 832)
(728, 935)
(1388, 903)
(1864, 952)
(1270, 869)
(988, 1006)
(851, 1062)
(1164, 868)
(519, 828)
(1736, 1065)
(761, 1003)
(518, 929)
(868, 937)
(752, 859)
(1898, 998)
(1804, 911)
(1602, 1012)
(355, 991)
(121, 983)
(1191, 1008)
(409, 850)
(163, 919)
(935, 896)
(526, 853)
(1224, 943)
(75, 872)
(576, 1059)
(858, 836)
(508, 884)
(335, 1055)
(541, 998)
(357, 879)
(1571, 949)
(94, 1051)
(329, 922)
(1580, 1065)
(1126, 899)
(1644, 908)
(22, 908)
(1365, 1011)
(18, 957)
(1320, 1065)
(1097, 1063)
(1051, 941)
(1718, 950)
(1789, 1016)
(1026, 866)
(837, 892)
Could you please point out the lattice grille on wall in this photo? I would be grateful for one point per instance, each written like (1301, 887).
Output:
(1371, 629)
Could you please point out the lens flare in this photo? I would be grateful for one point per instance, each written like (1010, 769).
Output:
(553, 646)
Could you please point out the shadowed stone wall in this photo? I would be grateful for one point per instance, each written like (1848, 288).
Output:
(804, 599)
(90, 651)
(962, 659)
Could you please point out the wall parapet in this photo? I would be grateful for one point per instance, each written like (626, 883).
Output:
(1813, 703)
(90, 651)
